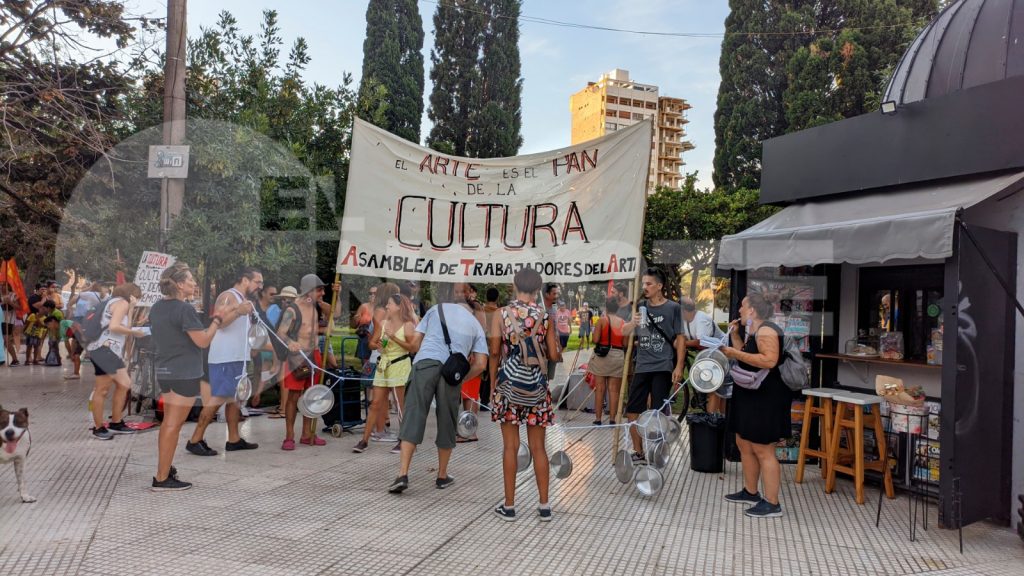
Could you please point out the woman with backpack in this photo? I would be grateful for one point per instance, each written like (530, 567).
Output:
(107, 355)
(607, 361)
(524, 339)
(759, 414)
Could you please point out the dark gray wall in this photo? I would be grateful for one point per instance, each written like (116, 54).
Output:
(968, 132)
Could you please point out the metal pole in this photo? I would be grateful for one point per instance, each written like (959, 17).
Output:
(172, 190)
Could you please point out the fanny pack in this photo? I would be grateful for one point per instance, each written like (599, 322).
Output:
(384, 363)
(298, 366)
(746, 378)
(602, 350)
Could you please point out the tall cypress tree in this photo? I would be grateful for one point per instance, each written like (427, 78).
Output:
(459, 27)
(497, 127)
(391, 91)
(819, 62)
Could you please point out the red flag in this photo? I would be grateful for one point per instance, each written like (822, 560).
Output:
(3, 271)
(14, 281)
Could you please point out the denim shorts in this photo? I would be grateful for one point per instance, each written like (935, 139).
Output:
(224, 378)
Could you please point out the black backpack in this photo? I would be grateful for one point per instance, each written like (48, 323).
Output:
(92, 325)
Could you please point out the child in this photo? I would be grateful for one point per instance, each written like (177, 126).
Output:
(35, 332)
(53, 335)
(73, 347)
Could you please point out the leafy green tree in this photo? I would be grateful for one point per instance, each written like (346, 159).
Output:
(58, 113)
(790, 65)
(683, 227)
(498, 124)
(393, 67)
(455, 99)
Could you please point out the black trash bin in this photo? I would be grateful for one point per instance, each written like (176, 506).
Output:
(707, 442)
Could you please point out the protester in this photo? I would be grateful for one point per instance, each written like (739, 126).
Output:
(523, 336)
(759, 417)
(73, 347)
(53, 294)
(382, 295)
(82, 302)
(426, 384)
(491, 309)
(563, 321)
(229, 351)
(471, 387)
(179, 338)
(586, 318)
(551, 294)
(298, 329)
(393, 367)
(286, 297)
(607, 369)
(53, 321)
(107, 356)
(660, 352)
(10, 304)
(621, 292)
(417, 303)
(262, 359)
(696, 325)
(35, 334)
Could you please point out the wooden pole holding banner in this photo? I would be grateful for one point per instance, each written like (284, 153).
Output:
(624, 388)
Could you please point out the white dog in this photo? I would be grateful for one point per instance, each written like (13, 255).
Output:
(14, 426)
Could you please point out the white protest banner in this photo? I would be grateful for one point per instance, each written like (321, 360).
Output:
(147, 276)
(574, 214)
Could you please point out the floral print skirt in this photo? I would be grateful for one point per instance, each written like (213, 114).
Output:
(504, 411)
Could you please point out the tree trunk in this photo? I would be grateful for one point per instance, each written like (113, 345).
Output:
(693, 282)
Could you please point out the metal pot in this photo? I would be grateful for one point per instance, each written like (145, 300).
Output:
(561, 464)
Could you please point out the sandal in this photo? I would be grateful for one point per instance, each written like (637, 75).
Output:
(314, 441)
(288, 445)
(463, 439)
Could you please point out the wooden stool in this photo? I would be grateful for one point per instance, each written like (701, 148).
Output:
(824, 411)
(850, 416)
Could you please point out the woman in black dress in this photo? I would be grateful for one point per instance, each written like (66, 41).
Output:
(759, 417)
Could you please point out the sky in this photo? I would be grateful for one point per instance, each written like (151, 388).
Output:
(556, 61)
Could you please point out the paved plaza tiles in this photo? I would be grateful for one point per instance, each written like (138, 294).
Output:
(325, 510)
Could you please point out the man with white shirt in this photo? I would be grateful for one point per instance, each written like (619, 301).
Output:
(229, 351)
(426, 383)
(696, 325)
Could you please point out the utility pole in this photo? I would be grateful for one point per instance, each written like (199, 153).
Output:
(172, 190)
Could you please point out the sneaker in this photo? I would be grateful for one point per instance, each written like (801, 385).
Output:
(171, 484)
(397, 448)
(764, 509)
(399, 485)
(173, 473)
(507, 514)
(119, 428)
(200, 448)
(386, 437)
(743, 497)
(545, 514)
(102, 433)
(637, 458)
(242, 444)
(442, 483)
(360, 447)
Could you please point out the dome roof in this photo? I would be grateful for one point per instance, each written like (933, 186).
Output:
(970, 43)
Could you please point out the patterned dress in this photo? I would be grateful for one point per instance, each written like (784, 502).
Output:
(531, 319)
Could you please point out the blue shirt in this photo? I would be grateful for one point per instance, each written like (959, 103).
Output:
(273, 315)
(465, 331)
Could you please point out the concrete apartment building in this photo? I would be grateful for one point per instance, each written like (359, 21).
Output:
(615, 101)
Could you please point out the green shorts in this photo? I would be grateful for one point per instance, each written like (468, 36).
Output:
(425, 385)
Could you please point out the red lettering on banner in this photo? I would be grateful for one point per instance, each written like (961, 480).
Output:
(572, 160)
(465, 266)
(398, 222)
(350, 255)
(427, 163)
(440, 166)
(451, 226)
(613, 264)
